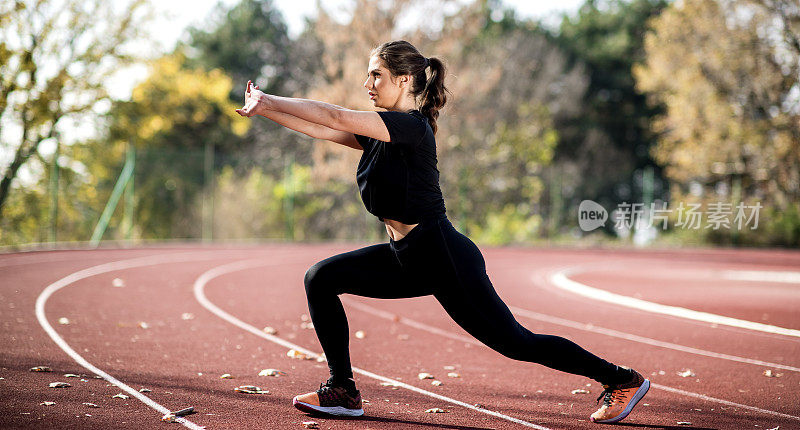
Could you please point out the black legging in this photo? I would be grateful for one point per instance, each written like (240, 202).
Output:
(434, 258)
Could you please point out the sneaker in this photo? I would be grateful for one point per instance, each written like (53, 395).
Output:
(619, 400)
(331, 400)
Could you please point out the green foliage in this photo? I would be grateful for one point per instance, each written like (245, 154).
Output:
(609, 139)
(171, 118)
(731, 106)
(54, 59)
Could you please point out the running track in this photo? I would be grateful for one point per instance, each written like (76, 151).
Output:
(688, 311)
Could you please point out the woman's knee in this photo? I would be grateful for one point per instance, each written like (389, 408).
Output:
(318, 279)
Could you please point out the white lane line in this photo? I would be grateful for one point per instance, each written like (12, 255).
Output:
(199, 293)
(645, 340)
(561, 280)
(724, 402)
(566, 323)
(762, 276)
(409, 322)
(150, 260)
(423, 326)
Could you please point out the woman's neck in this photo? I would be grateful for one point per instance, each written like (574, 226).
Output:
(405, 104)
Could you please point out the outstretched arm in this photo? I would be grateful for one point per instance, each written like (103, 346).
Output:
(364, 123)
(316, 131)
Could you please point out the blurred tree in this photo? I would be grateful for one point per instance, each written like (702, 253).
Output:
(249, 41)
(609, 139)
(728, 72)
(54, 58)
(171, 118)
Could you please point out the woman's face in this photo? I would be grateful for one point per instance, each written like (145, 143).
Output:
(383, 88)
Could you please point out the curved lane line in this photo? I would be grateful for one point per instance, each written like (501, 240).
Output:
(199, 293)
(566, 323)
(425, 327)
(561, 280)
(151, 260)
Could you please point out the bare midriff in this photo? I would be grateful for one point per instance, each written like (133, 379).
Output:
(396, 229)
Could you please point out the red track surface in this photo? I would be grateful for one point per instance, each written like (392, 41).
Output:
(181, 360)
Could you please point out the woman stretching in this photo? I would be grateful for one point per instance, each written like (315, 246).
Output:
(425, 255)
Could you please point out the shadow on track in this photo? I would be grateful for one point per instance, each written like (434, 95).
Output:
(660, 427)
(365, 419)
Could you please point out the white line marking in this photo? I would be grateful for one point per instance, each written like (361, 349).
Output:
(561, 280)
(423, 326)
(409, 322)
(567, 323)
(150, 260)
(724, 402)
(646, 340)
(762, 276)
(199, 293)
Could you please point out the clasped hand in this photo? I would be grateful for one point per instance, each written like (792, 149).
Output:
(253, 101)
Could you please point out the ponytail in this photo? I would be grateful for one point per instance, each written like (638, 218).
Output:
(434, 95)
(402, 58)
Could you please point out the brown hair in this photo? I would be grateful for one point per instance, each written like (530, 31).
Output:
(402, 58)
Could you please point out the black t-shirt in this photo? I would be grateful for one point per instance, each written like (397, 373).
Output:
(399, 179)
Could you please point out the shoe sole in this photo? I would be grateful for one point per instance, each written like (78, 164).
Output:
(340, 411)
(636, 397)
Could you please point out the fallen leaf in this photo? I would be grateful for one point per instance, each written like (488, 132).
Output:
(63, 321)
(770, 374)
(226, 376)
(91, 405)
(436, 411)
(307, 325)
(41, 369)
(144, 325)
(311, 424)
(449, 367)
(59, 385)
(47, 403)
(71, 375)
(686, 373)
(269, 330)
(120, 396)
(183, 412)
(169, 418)
(580, 391)
(187, 316)
(293, 353)
(360, 334)
(250, 389)
(145, 390)
(684, 423)
(437, 383)
(424, 375)
(117, 282)
(453, 375)
(271, 372)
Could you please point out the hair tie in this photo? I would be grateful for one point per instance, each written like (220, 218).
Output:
(427, 62)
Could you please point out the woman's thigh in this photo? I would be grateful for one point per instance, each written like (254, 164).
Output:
(372, 271)
(467, 294)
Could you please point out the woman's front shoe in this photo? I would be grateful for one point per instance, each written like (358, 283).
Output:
(331, 400)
